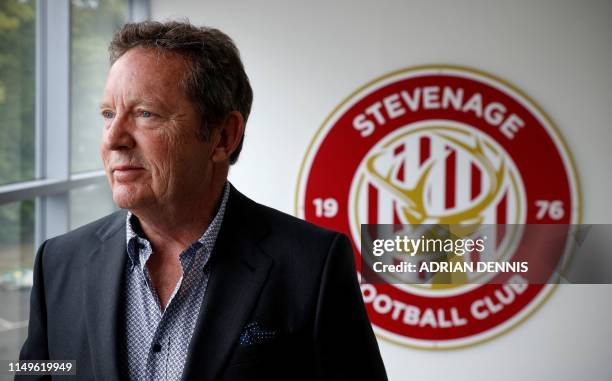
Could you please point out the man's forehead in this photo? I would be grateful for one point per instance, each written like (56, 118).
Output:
(147, 75)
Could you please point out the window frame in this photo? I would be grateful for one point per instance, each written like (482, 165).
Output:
(52, 122)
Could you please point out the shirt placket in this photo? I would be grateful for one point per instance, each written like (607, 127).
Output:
(159, 352)
(161, 346)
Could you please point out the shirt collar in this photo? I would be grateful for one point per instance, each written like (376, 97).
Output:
(136, 242)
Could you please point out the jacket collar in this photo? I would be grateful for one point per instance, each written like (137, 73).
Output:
(103, 280)
(239, 269)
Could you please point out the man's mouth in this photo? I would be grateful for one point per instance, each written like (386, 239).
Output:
(126, 172)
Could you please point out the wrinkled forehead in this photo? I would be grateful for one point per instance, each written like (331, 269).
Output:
(146, 73)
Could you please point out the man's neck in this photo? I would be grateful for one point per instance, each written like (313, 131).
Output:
(174, 227)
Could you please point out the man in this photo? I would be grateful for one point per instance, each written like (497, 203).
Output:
(192, 280)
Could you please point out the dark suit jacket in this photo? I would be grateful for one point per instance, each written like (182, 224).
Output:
(284, 274)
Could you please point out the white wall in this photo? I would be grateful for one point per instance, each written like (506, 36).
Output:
(303, 58)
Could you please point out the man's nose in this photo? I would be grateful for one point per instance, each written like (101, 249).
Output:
(118, 135)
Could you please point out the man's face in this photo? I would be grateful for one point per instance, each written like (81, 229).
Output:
(150, 149)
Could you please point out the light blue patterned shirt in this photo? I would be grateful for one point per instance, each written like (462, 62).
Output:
(157, 341)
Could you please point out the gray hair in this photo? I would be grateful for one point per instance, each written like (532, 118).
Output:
(216, 82)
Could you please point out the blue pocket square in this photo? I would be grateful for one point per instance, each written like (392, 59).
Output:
(253, 333)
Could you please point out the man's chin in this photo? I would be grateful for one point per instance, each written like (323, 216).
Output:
(126, 199)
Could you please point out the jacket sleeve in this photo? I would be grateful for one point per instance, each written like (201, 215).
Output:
(35, 346)
(345, 345)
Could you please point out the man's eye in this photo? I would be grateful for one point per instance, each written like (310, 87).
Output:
(146, 114)
(107, 114)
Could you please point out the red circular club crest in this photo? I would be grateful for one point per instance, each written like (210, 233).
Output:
(455, 144)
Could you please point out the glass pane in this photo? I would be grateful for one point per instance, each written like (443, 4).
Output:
(17, 90)
(92, 25)
(16, 261)
(90, 203)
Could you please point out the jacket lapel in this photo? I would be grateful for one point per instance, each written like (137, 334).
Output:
(238, 272)
(103, 284)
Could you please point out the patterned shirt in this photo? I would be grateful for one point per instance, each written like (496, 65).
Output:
(157, 340)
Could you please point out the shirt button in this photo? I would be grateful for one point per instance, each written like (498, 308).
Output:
(157, 347)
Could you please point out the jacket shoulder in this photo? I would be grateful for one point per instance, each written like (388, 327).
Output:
(98, 229)
(292, 225)
(81, 240)
(282, 226)
(288, 239)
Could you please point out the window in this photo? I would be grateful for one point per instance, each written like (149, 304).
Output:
(16, 239)
(53, 62)
(82, 210)
(17, 90)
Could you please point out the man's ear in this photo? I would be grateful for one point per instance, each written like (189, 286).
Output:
(229, 134)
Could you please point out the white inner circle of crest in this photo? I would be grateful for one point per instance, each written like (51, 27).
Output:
(450, 170)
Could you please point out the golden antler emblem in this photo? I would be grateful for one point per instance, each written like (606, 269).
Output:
(415, 208)
(463, 222)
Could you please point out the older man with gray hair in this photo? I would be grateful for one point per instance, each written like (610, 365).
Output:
(191, 280)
